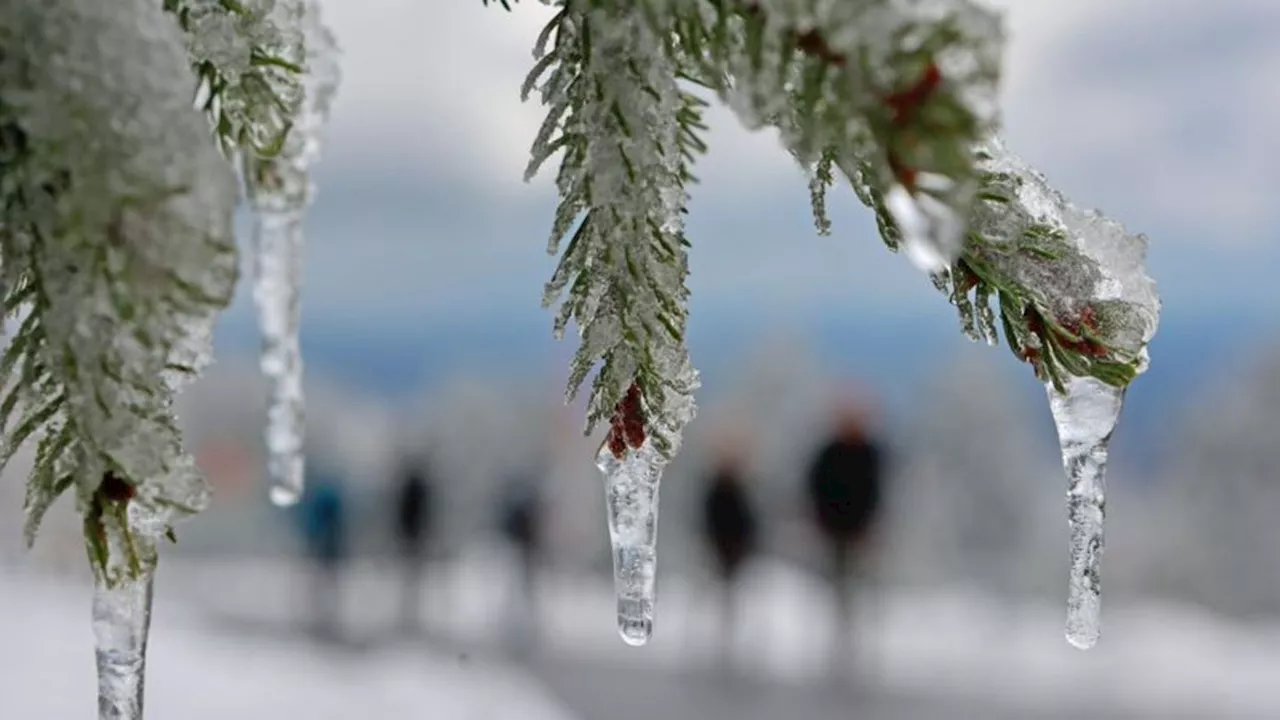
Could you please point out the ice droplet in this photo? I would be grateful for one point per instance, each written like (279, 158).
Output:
(278, 240)
(1085, 416)
(121, 623)
(931, 231)
(631, 493)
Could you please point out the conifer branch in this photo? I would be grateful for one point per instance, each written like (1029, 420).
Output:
(628, 133)
(1072, 296)
(116, 254)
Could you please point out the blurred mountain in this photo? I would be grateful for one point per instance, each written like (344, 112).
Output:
(893, 357)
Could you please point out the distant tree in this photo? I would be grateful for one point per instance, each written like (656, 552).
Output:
(969, 503)
(1217, 523)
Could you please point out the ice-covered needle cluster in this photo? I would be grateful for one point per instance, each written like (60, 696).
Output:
(117, 246)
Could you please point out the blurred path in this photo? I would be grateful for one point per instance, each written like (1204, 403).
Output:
(926, 655)
(602, 692)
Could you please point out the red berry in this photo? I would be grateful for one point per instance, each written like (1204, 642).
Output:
(905, 103)
(114, 488)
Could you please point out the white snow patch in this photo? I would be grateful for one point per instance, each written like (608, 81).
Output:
(196, 672)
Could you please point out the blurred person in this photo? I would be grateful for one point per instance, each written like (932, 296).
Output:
(521, 525)
(323, 519)
(414, 511)
(729, 529)
(845, 496)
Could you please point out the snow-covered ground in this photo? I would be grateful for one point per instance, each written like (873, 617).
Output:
(1154, 657)
(223, 648)
(198, 672)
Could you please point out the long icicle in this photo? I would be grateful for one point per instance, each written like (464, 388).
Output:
(278, 241)
(281, 190)
(1086, 416)
(121, 624)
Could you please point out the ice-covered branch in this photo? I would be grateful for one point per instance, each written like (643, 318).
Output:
(1076, 303)
(117, 254)
(1073, 295)
(628, 132)
(898, 96)
(892, 94)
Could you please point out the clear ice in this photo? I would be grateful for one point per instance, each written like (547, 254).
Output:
(278, 240)
(1086, 416)
(281, 190)
(932, 232)
(121, 623)
(631, 494)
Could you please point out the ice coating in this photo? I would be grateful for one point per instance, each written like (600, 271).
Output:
(227, 43)
(863, 90)
(125, 218)
(931, 232)
(277, 247)
(621, 278)
(280, 192)
(1085, 416)
(121, 624)
(631, 485)
(1104, 267)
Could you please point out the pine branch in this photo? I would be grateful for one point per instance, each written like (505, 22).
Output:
(628, 133)
(116, 252)
(894, 95)
(899, 103)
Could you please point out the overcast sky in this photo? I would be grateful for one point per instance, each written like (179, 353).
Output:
(1163, 113)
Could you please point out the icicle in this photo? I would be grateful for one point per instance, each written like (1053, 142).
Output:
(631, 493)
(278, 240)
(932, 233)
(281, 190)
(1086, 416)
(121, 622)
(632, 469)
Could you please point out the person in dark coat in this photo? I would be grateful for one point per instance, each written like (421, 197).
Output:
(845, 495)
(324, 534)
(413, 508)
(729, 528)
(521, 524)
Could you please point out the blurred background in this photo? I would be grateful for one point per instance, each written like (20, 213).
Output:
(451, 558)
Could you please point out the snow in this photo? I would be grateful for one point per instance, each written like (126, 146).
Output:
(1160, 658)
(200, 672)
